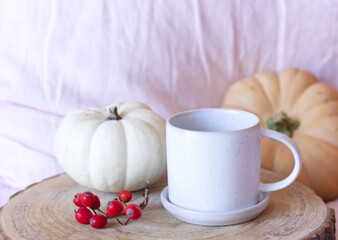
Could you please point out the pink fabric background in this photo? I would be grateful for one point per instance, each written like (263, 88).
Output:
(58, 56)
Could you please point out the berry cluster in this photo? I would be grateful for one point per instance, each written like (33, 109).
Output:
(89, 203)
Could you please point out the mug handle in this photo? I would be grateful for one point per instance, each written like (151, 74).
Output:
(269, 187)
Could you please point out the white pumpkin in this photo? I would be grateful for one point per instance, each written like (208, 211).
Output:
(111, 151)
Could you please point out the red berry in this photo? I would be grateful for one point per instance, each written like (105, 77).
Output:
(98, 221)
(125, 196)
(87, 199)
(133, 211)
(77, 200)
(97, 203)
(114, 208)
(83, 215)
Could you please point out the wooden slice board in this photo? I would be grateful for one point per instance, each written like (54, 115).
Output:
(46, 211)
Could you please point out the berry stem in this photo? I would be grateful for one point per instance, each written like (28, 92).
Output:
(101, 211)
(105, 214)
(125, 223)
(146, 195)
(92, 211)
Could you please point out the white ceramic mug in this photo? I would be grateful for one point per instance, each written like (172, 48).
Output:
(214, 160)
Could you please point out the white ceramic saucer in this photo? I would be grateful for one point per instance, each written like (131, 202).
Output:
(215, 218)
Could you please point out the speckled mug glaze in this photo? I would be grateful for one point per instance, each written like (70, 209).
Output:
(213, 159)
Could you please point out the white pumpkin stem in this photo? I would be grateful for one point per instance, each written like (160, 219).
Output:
(113, 114)
(282, 123)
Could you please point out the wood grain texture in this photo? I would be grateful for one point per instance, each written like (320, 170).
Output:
(45, 211)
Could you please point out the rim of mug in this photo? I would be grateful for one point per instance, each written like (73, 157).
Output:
(169, 120)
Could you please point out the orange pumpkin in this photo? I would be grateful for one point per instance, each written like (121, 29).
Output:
(296, 103)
